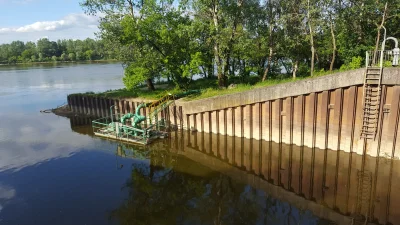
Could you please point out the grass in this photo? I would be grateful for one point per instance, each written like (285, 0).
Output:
(124, 93)
(209, 87)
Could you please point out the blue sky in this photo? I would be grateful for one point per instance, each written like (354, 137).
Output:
(29, 20)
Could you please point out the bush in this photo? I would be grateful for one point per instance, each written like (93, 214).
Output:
(356, 62)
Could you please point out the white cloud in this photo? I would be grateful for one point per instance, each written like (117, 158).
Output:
(70, 21)
(6, 193)
(72, 26)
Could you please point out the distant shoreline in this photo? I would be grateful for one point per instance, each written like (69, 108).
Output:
(58, 62)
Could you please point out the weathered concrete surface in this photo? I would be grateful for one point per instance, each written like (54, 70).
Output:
(391, 76)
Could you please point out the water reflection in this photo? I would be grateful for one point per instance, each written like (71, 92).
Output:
(333, 185)
(169, 190)
(172, 189)
(27, 139)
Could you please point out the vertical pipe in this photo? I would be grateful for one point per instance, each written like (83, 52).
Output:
(225, 122)
(314, 100)
(241, 122)
(339, 106)
(181, 117)
(202, 121)
(209, 122)
(93, 106)
(96, 107)
(195, 121)
(260, 133)
(175, 117)
(280, 127)
(69, 102)
(233, 121)
(88, 106)
(188, 122)
(73, 103)
(251, 121)
(302, 109)
(81, 104)
(217, 120)
(291, 122)
(326, 116)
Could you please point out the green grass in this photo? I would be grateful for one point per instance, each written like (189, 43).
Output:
(209, 87)
(124, 93)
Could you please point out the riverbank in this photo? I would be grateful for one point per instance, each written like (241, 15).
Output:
(59, 62)
(208, 87)
(324, 112)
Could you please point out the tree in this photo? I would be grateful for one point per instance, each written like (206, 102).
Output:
(46, 48)
(71, 56)
(16, 48)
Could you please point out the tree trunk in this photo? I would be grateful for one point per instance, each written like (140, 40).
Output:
(269, 64)
(150, 85)
(271, 50)
(227, 62)
(217, 57)
(211, 69)
(334, 48)
(378, 36)
(311, 39)
(295, 68)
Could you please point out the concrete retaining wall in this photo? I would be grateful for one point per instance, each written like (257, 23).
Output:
(323, 112)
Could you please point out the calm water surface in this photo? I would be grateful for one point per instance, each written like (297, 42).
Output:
(53, 171)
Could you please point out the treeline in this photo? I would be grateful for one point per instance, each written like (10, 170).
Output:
(45, 50)
(241, 38)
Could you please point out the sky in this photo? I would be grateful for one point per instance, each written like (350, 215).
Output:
(30, 20)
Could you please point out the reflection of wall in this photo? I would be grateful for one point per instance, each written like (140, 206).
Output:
(349, 184)
(323, 181)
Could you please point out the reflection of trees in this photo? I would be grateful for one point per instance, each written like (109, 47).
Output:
(159, 194)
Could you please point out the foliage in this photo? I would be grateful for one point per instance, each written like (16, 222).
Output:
(239, 39)
(46, 50)
(356, 62)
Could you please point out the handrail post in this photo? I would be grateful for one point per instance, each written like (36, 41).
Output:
(383, 47)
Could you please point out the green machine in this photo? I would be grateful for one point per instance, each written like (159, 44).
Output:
(130, 128)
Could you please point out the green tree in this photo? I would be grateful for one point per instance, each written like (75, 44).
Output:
(71, 56)
(63, 57)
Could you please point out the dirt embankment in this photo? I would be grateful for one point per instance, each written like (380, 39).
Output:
(65, 111)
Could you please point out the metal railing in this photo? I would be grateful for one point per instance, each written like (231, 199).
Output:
(113, 128)
(389, 58)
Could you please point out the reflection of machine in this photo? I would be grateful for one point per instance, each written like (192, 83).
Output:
(129, 127)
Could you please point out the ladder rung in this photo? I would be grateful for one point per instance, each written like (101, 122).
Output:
(367, 132)
(374, 78)
(370, 120)
(370, 108)
(367, 87)
(365, 137)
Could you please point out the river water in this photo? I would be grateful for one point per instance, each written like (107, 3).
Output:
(54, 171)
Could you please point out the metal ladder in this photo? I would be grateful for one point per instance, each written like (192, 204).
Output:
(371, 99)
